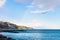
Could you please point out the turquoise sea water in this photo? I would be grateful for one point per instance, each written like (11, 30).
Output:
(34, 35)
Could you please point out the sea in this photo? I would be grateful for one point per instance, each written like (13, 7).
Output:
(38, 34)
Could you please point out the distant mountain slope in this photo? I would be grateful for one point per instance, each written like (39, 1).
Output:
(7, 25)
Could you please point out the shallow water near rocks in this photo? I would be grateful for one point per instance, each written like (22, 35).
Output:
(34, 35)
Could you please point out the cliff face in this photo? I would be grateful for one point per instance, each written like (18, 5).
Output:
(7, 25)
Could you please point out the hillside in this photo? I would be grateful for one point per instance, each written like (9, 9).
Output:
(7, 25)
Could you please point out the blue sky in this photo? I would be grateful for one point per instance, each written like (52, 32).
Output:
(40, 14)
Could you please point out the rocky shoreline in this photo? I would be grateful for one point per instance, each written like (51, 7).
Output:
(5, 38)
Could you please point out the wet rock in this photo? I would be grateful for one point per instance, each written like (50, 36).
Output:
(5, 38)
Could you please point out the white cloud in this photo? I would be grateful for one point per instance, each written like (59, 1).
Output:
(47, 2)
(2, 2)
(46, 5)
(41, 11)
(38, 25)
(50, 5)
(33, 24)
(41, 4)
(52, 26)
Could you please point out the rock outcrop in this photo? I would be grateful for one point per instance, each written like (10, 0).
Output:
(5, 38)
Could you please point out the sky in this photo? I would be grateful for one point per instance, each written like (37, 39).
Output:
(38, 14)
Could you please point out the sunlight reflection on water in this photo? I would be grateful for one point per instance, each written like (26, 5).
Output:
(34, 35)
(27, 36)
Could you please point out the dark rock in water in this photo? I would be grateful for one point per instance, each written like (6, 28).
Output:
(1, 36)
(5, 38)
